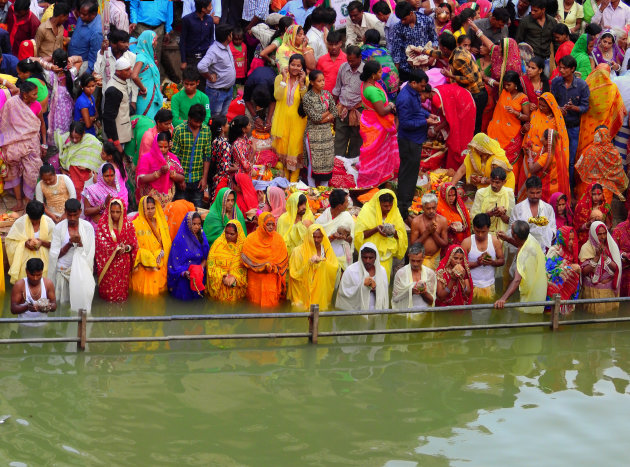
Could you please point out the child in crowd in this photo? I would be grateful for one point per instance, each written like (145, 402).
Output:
(184, 99)
(85, 107)
(239, 52)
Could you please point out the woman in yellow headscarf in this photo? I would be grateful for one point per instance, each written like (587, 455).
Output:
(313, 269)
(294, 42)
(227, 276)
(373, 226)
(293, 223)
(605, 107)
(482, 155)
(154, 245)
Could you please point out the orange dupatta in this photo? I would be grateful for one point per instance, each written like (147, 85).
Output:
(459, 213)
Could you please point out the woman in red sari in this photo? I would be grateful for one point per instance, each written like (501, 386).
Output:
(454, 282)
(592, 200)
(451, 206)
(116, 248)
(563, 268)
(621, 235)
(246, 200)
(379, 159)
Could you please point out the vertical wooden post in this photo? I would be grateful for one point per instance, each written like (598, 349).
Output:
(82, 330)
(313, 324)
(555, 314)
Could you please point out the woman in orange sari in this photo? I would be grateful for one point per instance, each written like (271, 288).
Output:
(379, 159)
(266, 259)
(601, 162)
(547, 116)
(511, 112)
(592, 200)
(451, 206)
(605, 107)
(550, 165)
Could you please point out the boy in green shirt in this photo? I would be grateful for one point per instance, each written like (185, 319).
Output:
(187, 97)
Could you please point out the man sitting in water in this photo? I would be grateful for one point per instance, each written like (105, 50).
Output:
(430, 229)
(72, 259)
(33, 296)
(530, 277)
(364, 284)
(414, 284)
(485, 254)
(496, 200)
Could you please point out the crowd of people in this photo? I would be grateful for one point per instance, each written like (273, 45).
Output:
(520, 108)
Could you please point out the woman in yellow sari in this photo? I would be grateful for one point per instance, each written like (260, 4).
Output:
(482, 155)
(313, 269)
(293, 223)
(374, 224)
(154, 245)
(605, 107)
(227, 276)
(547, 116)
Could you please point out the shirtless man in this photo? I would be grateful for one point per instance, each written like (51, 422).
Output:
(430, 229)
(27, 292)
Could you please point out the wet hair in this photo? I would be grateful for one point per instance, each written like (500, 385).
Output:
(513, 77)
(46, 169)
(190, 73)
(402, 10)
(72, 205)
(372, 36)
(353, 50)
(201, 4)
(447, 40)
(428, 198)
(300, 58)
(501, 14)
(370, 67)
(498, 173)
(533, 182)
(222, 32)
(333, 37)
(568, 61)
(59, 9)
(110, 149)
(386, 198)
(355, 5)
(458, 21)
(217, 123)
(197, 112)
(481, 220)
(236, 127)
(117, 35)
(521, 229)
(34, 265)
(561, 29)
(416, 249)
(283, 24)
(337, 197)
(381, 7)
(164, 136)
(77, 127)
(261, 96)
(35, 209)
(312, 76)
(164, 115)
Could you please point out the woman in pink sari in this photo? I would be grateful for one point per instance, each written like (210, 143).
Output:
(159, 171)
(378, 160)
(22, 129)
(277, 201)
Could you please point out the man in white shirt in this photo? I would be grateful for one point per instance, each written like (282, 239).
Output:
(364, 285)
(361, 22)
(322, 19)
(611, 14)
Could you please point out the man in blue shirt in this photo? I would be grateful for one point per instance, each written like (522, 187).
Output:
(8, 64)
(88, 36)
(299, 9)
(572, 95)
(197, 34)
(412, 133)
(154, 15)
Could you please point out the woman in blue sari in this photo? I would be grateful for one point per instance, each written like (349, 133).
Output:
(187, 262)
(146, 75)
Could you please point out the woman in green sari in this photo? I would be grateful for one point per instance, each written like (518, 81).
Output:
(222, 211)
(582, 54)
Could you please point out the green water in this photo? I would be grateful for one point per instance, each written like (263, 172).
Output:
(506, 397)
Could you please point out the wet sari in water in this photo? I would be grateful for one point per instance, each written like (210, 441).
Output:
(583, 210)
(621, 235)
(218, 217)
(443, 273)
(225, 258)
(562, 278)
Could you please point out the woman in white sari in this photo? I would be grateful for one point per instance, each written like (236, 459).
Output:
(339, 226)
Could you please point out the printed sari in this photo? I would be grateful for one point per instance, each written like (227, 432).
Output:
(495, 157)
(218, 217)
(562, 277)
(149, 104)
(116, 250)
(503, 58)
(97, 193)
(457, 216)
(621, 235)
(379, 159)
(224, 259)
(583, 210)
(390, 80)
(443, 273)
(601, 163)
(162, 189)
(288, 47)
(605, 107)
(189, 250)
(506, 127)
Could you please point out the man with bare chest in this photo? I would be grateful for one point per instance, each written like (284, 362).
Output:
(430, 229)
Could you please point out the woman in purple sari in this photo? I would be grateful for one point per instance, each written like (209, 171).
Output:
(607, 51)
(187, 262)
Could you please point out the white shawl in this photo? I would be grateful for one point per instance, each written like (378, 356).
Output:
(402, 295)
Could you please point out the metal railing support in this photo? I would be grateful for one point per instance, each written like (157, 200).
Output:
(313, 324)
(555, 317)
(82, 330)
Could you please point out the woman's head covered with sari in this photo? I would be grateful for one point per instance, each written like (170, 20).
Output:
(225, 258)
(541, 121)
(145, 52)
(160, 230)
(222, 248)
(277, 201)
(488, 149)
(289, 46)
(264, 249)
(617, 52)
(286, 220)
(611, 250)
(453, 213)
(116, 232)
(220, 213)
(566, 237)
(189, 248)
(247, 198)
(606, 107)
(153, 161)
(568, 213)
(445, 269)
(581, 55)
(505, 57)
(97, 193)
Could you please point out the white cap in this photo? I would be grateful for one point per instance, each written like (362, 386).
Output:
(122, 64)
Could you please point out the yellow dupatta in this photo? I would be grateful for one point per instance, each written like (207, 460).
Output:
(288, 48)
(292, 233)
(312, 283)
(225, 258)
(18, 254)
(483, 144)
(151, 241)
(530, 264)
